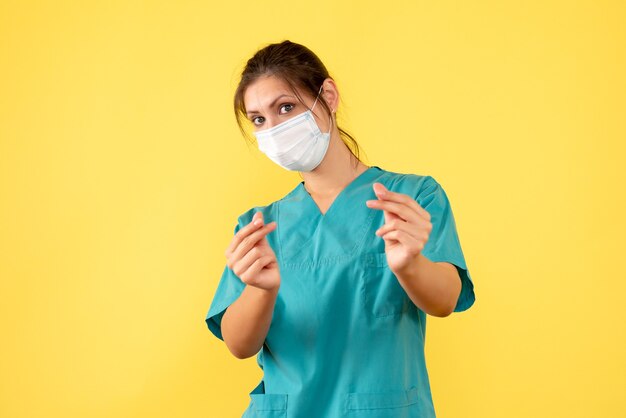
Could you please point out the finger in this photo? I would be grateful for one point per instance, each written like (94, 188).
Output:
(411, 244)
(251, 256)
(248, 275)
(244, 232)
(423, 212)
(385, 194)
(249, 241)
(419, 231)
(242, 264)
(405, 212)
(395, 224)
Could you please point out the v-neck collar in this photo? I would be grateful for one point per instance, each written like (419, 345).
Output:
(365, 176)
(306, 236)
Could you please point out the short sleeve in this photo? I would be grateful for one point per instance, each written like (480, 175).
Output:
(443, 242)
(228, 290)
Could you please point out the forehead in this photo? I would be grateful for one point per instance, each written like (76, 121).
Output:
(262, 91)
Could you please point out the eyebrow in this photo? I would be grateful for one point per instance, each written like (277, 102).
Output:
(249, 112)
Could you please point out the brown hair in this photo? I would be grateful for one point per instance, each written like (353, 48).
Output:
(296, 65)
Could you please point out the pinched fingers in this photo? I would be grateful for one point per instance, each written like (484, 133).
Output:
(246, 231)
(248, 259)
(400, 209)
(249, 272)
(387, 195)
(242, 233)
(420, 230)
(245, 242)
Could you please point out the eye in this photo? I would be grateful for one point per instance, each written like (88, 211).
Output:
(258, 120)
(288, 105)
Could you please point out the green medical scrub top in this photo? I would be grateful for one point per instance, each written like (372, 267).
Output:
(345, 339)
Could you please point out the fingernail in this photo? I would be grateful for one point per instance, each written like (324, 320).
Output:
(257, 222)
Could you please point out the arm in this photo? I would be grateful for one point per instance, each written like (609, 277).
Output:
(247, 320)
(433, 286)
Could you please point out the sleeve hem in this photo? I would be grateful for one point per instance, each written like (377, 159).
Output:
(214, 317)
(467, 296)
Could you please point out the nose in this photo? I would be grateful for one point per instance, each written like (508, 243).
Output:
(271, 121)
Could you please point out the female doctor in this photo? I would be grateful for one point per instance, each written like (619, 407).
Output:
(331, 284)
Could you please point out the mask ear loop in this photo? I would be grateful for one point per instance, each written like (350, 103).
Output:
(332, 112)
(318, 95)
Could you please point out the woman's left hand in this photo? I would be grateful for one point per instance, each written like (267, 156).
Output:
(406, 229)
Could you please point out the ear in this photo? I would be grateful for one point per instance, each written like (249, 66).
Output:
(331, 93)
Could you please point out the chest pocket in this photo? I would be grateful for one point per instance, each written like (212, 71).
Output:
(398, 403)
(382, 293)
(267, 405)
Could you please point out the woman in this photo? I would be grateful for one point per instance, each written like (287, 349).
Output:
(331, 284)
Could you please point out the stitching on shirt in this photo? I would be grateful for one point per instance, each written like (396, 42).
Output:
(361, 238)
(280, 246)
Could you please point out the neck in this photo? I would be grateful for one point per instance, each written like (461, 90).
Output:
(336, 171)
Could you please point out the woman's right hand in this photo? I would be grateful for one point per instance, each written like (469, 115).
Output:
(250, 256)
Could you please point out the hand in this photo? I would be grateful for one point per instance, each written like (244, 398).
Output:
(251, 257)
(406, 229)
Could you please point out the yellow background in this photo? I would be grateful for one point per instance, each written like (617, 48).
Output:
(122, 174)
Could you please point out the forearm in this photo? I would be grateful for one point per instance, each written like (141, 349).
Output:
(247, 320)
(433, 287)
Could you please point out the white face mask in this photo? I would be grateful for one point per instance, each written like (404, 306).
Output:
(296, 144)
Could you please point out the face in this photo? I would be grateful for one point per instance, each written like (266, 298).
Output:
(270, 101)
